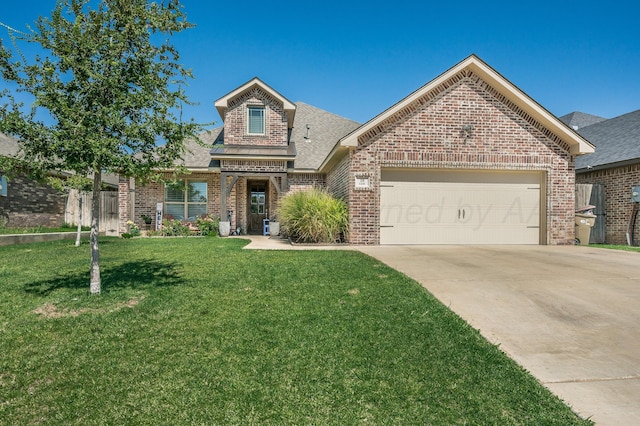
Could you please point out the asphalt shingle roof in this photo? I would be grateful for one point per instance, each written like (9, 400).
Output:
(324, 131)
(198, 156)
(577, 120)
(616, 140)
(8, 146)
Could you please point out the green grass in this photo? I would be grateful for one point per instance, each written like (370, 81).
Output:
(616, 247)
(198, 331)
(41, 230)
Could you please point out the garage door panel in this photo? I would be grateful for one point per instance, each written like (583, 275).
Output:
(502, 209)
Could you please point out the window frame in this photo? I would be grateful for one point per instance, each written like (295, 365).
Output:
(261, 108)
(185, 203)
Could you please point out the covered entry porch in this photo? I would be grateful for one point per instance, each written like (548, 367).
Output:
(248, 198)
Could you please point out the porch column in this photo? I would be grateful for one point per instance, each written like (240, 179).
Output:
(223, 197)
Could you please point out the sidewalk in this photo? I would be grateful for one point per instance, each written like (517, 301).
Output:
(261, 242)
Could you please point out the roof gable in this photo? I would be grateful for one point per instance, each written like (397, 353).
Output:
(617, 141)
(222, 104)
(527, 107)
(577, 120)
(8, 146)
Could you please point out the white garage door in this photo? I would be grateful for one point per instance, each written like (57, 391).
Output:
(459, 207)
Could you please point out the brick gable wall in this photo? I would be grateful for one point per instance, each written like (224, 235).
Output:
(428, 134)
(235, 120)
(617, 183)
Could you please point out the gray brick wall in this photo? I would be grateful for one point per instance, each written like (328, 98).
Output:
(31, 204)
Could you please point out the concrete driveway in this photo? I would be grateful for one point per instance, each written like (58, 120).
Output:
(569, 315)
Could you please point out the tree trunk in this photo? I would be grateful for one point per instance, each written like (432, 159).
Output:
(95, 285)
(79, 218)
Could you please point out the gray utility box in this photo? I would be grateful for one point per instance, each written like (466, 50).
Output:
(635, 194)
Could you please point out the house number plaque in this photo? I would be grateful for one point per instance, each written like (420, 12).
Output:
(362, 182)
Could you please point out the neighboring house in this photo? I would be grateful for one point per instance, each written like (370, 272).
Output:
(30, 203)
(577, 120)
(616, 166)
(466, 159)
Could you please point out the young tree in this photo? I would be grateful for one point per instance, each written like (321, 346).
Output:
(111, 84)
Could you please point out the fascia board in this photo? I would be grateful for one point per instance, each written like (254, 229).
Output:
(223, 103)
(578, 144)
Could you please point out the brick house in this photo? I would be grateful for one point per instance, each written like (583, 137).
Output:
(616, 167)
(467, 158)
(29, 203)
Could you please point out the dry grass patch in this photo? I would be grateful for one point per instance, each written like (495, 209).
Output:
(49, 310)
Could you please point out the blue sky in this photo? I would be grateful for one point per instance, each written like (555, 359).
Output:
(356, 59)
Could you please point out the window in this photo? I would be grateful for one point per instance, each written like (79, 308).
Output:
(185, 199)
(255, 122)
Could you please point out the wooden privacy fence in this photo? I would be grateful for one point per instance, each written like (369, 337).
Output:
(108, 210)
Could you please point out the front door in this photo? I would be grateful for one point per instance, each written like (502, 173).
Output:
(257, 206)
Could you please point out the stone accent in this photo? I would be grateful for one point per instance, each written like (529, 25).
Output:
(428, 134)
(235, 120)
(30, 203)
(617, 182)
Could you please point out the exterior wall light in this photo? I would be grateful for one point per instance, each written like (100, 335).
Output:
(466, 130)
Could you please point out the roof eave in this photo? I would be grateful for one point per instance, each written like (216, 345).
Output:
(222, 104)
(608, 166)
(578, 145)
(253, 157)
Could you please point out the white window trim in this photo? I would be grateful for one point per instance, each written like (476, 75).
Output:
(264, 119)
(185, 203)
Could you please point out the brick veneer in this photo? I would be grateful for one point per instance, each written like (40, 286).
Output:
(427, 134)
(305, 181)
(254, 166)
(338, 179)
(145, 198)
(30, 204)
(617, 182)
(235, 120)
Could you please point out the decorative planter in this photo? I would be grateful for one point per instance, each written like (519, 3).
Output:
(274, 228)
(225, 229)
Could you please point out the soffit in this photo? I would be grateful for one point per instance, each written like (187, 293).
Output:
(222, 104)
(578, 145)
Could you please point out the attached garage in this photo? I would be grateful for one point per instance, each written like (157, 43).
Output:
(460, 207)
(466, 159)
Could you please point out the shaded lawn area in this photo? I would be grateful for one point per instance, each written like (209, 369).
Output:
(198, 331)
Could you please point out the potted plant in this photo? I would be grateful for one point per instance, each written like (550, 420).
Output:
(147, 220)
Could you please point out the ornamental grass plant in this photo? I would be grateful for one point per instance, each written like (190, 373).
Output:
(313, 217)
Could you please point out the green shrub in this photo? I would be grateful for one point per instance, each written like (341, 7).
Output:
(207, 225)
(175, 228)
(313, 217)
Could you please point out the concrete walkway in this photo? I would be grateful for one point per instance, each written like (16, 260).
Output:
(569, 315)
(261, 242)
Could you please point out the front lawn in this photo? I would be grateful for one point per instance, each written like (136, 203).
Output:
(41, 230)
(198, 331)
